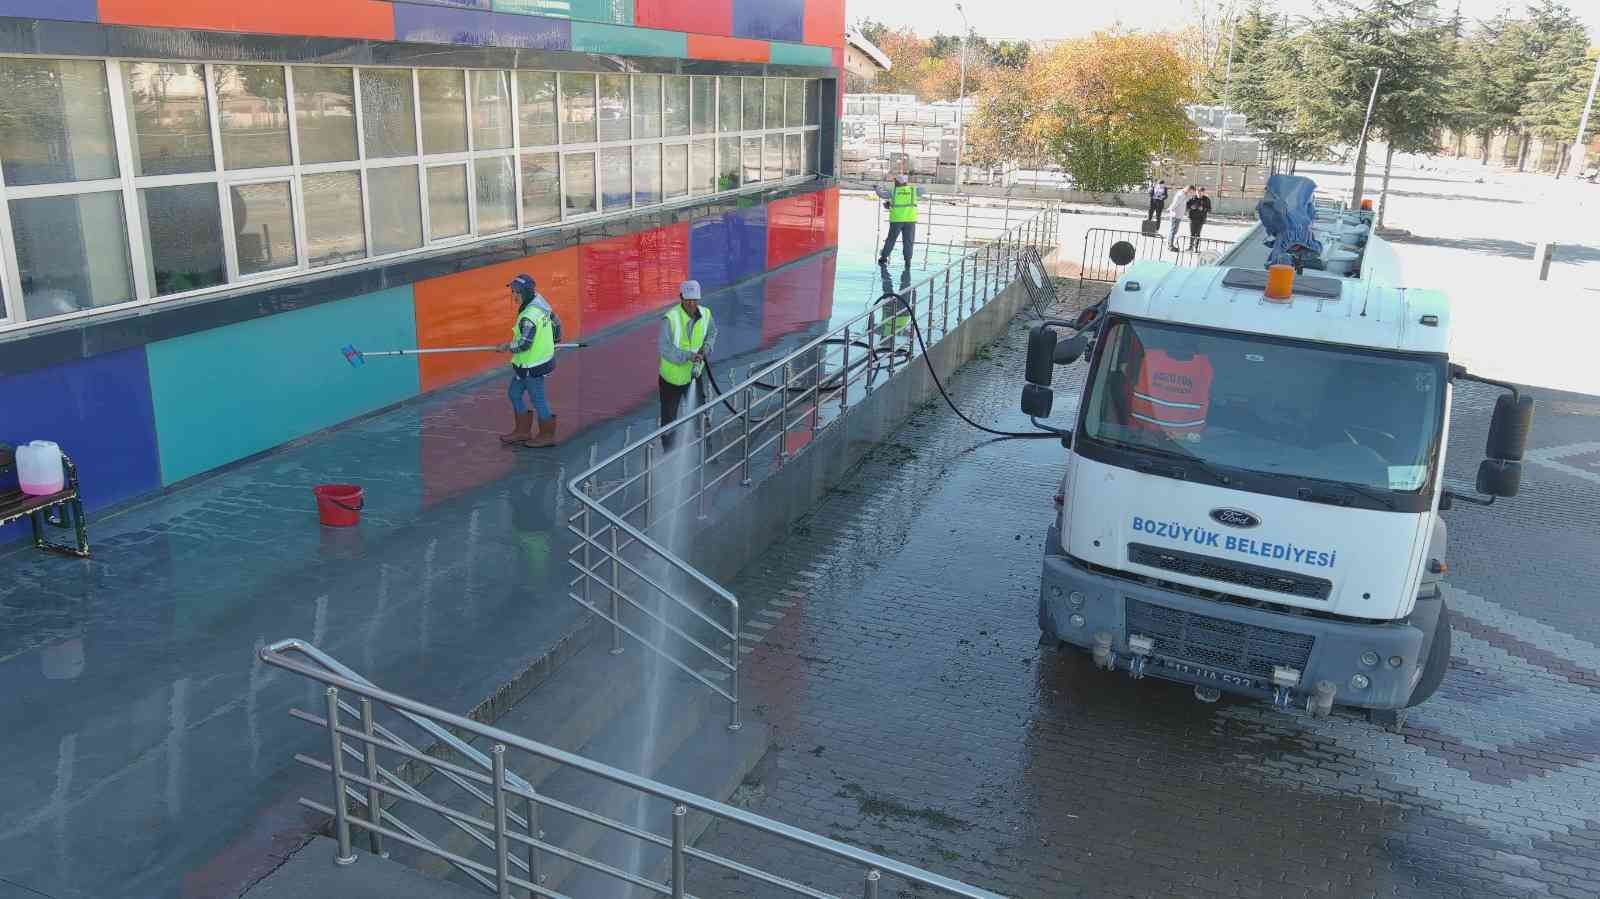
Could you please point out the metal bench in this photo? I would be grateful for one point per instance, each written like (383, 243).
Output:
(62, 510)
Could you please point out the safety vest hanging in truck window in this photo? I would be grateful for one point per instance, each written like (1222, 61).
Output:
(1172, 395)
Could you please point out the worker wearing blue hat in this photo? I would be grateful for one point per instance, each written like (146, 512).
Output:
(533, 356)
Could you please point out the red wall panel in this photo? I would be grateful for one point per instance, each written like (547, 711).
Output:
(728, 49)
(798, 296)
(693, 16)
(628, 276)
(796, 227)
(825, 22)
(312, 18)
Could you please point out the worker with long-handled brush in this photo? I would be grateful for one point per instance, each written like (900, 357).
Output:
(533, 356)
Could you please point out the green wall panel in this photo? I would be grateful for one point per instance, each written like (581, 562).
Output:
(800, 55)
(588, 37)
(617, 12)
(224, 394)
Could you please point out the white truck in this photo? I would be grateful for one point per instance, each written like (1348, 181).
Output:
(1253, 485)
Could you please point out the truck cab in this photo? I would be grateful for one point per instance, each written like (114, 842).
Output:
(1254, 479)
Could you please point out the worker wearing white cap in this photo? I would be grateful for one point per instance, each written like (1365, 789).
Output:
(688, 335)
(902, 205)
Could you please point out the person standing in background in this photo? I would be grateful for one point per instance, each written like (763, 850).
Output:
(902, 205)
(1199, 206)
(1176, 213)
(1158, 201)
(533, 356)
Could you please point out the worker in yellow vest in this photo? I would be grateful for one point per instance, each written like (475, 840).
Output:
(687, 337)
(533, 356)
(902, 204)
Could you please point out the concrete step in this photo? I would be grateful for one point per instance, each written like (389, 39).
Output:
(310, 871)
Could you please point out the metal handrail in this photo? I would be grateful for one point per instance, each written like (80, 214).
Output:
(505, 785)
(876, 333)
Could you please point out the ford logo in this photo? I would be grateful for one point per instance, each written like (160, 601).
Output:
(1234, 518)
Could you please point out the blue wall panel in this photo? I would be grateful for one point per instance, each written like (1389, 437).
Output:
(98, 409)
(728, 248)
(773, 20)
(225, 394)
(738, 311)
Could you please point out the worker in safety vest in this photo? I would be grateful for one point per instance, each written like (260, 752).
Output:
(902, 205)
(533, 356)
(1173, 393)
(687, 337)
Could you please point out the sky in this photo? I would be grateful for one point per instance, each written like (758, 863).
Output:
(1032, 19)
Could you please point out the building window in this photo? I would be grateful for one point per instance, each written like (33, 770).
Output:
(252, 115)
(579, 193)
(811, 160)
(616, 179)
(577, 108)
(541, 188)
(491, 110)
(447, 202)
(646, 106)
(647, 175)
(752, 160)
(703, 167)
(728, 104)
(794, 103)
(536, 112)
(674, 171)
(183, 237)
(615, 123)
(702, 105)
(730, 172)
(675, 106)
(813, 102)
(72, 253)
(792, 162)
(325, 114)
(263, 227)
(774, 102)
(55, 122)
(443, 97)
(773, 170)
(335, 229)
(388, 113)
(396, 209)
(497, 195)
(752, 104)
(169, 118)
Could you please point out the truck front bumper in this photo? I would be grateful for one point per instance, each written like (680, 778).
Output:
(1231, 646)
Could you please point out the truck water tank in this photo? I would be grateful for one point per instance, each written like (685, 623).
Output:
(39, 470)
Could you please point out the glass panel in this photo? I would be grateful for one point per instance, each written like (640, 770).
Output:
(792, 163)
(325, 114)
(183, 237)
(579, 168)
(263, 227)
(703, 167)
(252, 116)
(675, 107)
(752, 160)
(773, 170)
(388, 115)
(703, 105)
(794, 103)
(616, 178)
(729, 171)
(491, 110)
(55, 122)
(727, 104)
(752, 104)
(811, 159)
(813, 102)
(72, 253)
(497, 195)
(647, 175)
(444, 110)
(333, 215)
(674, 170)
(541, 188)
(396, 203)
(447, 202)
(536, 97)
(647, 106)
(614, 124)
(577, 109)
(775, 102)
(170, 123)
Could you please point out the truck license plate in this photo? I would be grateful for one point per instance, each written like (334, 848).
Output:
(1201, 672)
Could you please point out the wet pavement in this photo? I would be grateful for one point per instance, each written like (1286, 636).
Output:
(914, 714)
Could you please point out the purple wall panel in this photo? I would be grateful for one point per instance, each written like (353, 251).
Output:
(478, 28)
(728, 248)
(68, 10)
(773, 20)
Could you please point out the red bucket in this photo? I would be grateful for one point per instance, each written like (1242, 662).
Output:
(338, 505)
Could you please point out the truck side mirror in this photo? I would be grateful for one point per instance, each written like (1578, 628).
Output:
(1037, 401)
(1499, 477)
(1071, 350)
(1041, 356)
(1122, 252)
(1508, 430)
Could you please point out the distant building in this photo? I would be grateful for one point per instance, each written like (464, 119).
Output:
(862, 60)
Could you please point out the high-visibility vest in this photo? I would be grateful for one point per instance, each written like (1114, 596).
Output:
(1172, 395)
(543, 347)
(903, 204)
(688, 336)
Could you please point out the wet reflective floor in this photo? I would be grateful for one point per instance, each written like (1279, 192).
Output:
(915, 715)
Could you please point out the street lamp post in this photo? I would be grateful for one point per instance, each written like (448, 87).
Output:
(961, 100)
(1583, 125)
(1361, 146)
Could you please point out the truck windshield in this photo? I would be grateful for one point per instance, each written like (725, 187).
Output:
(1308, 411)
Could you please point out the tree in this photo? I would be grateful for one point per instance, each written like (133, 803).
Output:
(1494, 79)
(1002, 129)
(1012, 54)
(1555, 43)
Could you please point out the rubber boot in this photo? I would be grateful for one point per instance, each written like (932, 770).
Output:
(546, 435)
(520, 433)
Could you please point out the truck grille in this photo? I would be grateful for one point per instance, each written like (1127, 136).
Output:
(1218, 643)
(1240, 573)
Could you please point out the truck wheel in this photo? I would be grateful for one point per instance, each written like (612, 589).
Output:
(1438, 660)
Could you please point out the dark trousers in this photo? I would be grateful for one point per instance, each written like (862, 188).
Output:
(1156, 205)
(671, 399)
(909, 229)
(1195, 224)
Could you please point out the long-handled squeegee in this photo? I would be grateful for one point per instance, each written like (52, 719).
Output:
(357, 357)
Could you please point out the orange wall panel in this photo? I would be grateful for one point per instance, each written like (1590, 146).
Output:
(728, 49)
(825, 22)
(474, 308)
(313, 18)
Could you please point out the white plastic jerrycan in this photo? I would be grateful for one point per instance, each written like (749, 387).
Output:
(39, 469)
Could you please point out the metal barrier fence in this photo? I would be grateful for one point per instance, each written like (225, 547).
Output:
(1096, 264)
(631, 503)
(358, 746)
(956, 224)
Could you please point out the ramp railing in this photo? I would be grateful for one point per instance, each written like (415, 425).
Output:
(1096, 264)
(520, 857)
(636, 506)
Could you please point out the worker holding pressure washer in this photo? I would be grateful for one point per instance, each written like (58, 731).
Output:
(533, 356)
(902, 205)
(687, 337)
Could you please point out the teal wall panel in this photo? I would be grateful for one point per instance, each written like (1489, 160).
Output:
(225, 394)
(588, 37)
(800, 55)
(616, 12)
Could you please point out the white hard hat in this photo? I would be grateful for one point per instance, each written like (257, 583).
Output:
(689, 290)
(902, 178)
